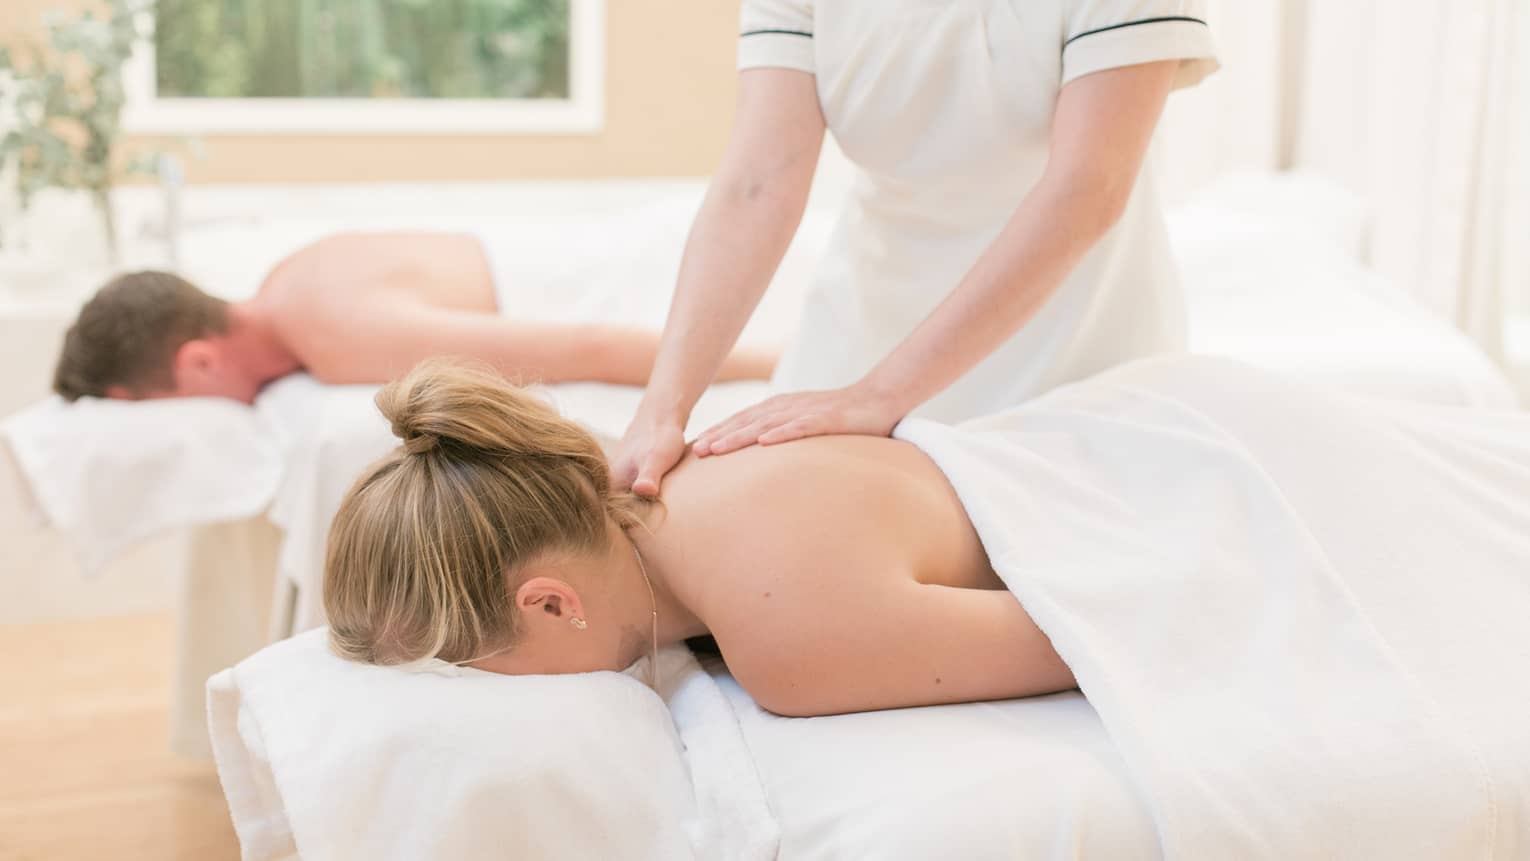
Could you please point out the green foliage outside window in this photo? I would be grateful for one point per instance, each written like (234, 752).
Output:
(436, 49)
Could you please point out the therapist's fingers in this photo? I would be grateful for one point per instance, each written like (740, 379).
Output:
(629, 455)
(738, 435)
(656, 462)
(646, 485)
(743, 437)
(651, 474)
(645, 454)
(805, 426)
(709, 440)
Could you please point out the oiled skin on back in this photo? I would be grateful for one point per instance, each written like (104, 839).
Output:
(842, 574)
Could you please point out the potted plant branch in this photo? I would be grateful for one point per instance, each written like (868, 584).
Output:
(64, 100)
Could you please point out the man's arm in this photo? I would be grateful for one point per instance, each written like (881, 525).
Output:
(381, 344)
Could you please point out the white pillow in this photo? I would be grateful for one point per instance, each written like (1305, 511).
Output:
(1251, 228)
(332, 759)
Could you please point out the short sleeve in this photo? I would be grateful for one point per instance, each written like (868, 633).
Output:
(1108, 34)
(776, 33)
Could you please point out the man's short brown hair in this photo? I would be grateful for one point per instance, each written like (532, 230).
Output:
(127, 334)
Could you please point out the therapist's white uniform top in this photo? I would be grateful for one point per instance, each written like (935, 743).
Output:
(945, 106)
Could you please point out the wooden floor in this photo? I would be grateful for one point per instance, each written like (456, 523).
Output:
(84, 767)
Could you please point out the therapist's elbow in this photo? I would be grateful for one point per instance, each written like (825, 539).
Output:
(761, 193)
(1093, 203)
(772, 179)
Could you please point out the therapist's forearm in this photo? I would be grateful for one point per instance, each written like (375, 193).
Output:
(1055, 226)
(738, 239)
(1100, 134)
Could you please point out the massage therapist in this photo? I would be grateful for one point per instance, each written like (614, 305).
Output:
(1003, 236)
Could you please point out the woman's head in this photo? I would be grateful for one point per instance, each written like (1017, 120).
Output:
(492, 530)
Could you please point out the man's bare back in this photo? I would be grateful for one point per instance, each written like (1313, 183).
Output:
(331, 275)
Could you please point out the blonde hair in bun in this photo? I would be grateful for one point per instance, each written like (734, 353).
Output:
(423, 550)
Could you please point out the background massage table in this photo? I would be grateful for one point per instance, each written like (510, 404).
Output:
(1271, 266)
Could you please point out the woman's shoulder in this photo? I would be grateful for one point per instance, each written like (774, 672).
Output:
(784, 511)
(814, 466)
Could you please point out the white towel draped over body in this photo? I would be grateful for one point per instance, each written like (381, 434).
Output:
(1304, 619)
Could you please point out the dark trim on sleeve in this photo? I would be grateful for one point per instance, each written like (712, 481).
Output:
(778, 32)
(1134, 24)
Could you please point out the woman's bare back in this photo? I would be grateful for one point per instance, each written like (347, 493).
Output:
(842, 574)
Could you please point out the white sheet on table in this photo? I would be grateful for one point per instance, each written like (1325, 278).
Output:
(1300, 617)
(330, 759)
(1274, 276)
(1283, 288)
(109, 474)
(1036, 779)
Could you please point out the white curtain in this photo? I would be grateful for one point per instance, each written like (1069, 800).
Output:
(1237, 120)
(1420, 107)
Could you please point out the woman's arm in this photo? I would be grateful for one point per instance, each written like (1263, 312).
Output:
(894, 644)
(1101, 130)
(752, 209)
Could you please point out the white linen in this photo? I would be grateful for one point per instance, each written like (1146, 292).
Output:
(734, 817)
(1272, 271)
(1343, 328)
(345, 434)
(331, 759)
(1300, 617)
(109, 474)
(544, 270)
(1035, 778)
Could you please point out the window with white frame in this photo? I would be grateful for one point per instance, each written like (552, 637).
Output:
(369, 66)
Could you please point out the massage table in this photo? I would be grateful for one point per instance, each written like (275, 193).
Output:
(1285, 655)
(1268, 281)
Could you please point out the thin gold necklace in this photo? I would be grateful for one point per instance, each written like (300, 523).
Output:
(653, 599)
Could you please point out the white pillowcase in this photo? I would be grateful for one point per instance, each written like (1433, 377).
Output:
(331, 759)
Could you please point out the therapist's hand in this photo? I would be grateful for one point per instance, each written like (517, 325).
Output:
(855, 409)
(649, 449)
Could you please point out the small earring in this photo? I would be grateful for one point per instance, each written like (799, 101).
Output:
(578, 622)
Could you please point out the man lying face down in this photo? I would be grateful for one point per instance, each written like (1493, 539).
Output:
(350, 308)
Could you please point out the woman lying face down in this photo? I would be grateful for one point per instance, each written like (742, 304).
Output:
(836, 573)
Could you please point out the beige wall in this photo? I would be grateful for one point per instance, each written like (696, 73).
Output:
(669, 100)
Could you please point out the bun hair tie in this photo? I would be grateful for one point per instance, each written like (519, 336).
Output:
(419, 443)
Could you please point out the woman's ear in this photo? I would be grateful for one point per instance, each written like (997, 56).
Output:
(548, 599)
